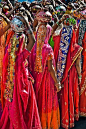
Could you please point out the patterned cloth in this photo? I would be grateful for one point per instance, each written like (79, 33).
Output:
(44, 16)
(82, 29)
(64, 46)
(40, 41)
(14, 44)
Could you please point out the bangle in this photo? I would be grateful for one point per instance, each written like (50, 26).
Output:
(57, 23)
(58, 83)
(79, 77)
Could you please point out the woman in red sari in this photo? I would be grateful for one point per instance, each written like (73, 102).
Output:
(42, 67)
(81, 40)
(67, 54)
(2, 46)
(18, 98)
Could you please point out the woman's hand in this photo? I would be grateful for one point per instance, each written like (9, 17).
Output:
(65, 16)
(58, 86)
(79, 79)
(31, 79)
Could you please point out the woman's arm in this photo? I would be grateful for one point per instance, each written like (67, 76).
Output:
(11, 12)
(31, 39)
(58, 23)
(78, 68)
(9, 4)
(35, 23)
(53, 75)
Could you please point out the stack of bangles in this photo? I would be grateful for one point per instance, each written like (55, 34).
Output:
(58, 23)
(59, 84)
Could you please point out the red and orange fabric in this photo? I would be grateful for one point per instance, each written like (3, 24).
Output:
(21, 112)
(69, 94)
(46, 93)
(2, 46)
(83, 82)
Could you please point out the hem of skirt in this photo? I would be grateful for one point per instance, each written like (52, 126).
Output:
(67, 126)
(82, 114)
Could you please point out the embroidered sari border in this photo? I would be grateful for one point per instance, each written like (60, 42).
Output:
(75, 57)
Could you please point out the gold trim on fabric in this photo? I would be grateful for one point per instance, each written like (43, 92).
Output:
(83, 88)
(75, 57)
(82, 114)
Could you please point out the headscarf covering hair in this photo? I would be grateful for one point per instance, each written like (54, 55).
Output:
(44, 16)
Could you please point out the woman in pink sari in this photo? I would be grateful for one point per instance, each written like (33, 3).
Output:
(18, 98)
(42, 67)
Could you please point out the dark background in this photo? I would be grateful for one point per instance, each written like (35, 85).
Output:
(81, 124)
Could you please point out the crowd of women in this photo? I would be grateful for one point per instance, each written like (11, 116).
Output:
(42, 64)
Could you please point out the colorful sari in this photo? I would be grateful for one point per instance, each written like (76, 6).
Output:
(69, 94)
(81, 39)
(2, 47)
(18, 98)
(45, 89)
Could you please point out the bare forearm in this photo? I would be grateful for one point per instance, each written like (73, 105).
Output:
(52, 71)
(35, 23)
(11, 12)
(78, 67)
(53, 74)
(31, 41)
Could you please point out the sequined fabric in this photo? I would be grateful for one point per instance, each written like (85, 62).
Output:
(83, 82)
(82, 30)
(69, 94)
(64, 47)
(14, 44)
(41, 34)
